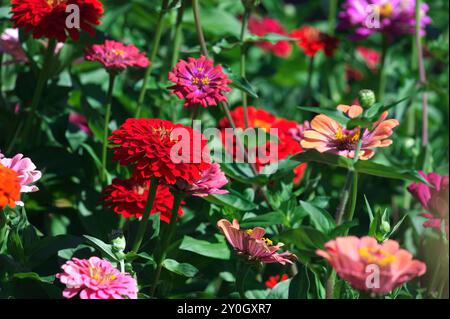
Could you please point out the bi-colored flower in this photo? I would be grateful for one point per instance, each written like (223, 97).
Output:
(211, 182)
(311, 40)
(434, 199)
(26, 172)
(161, 149)
(48, 18)
(360, 260)
(286, 143)
(9, 187)
(252, 246)
(128, 198)
(117, 56)
(274, 280)
(266, 25)
(328, 135)
(390, 17)
(96, 278)
(10, 44)
(199, 82)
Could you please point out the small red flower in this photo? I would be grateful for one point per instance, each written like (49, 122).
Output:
(312, 40)
(47, 18)
(162, 149)
(9, 187)
(264, 26)
(370, 56)
(117, 56)
(198, 81)
(274, 280)
(128, 198)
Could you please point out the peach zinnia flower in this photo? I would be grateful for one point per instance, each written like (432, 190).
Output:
(252, 246)
(351, 257)
(327, 135)
(9, 187)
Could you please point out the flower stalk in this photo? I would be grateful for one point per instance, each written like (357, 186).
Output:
(243, 48)
(108, 105)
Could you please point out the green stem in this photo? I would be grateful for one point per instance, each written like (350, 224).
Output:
(382, 71)
(153, 53)
(333, 4)
(241, 275)
(198, 26)
(108, 105)
(148, 208)
(309, 81)
(3, 227)
(243, 63)
(167, 238)
(178, 35)
(40, 85)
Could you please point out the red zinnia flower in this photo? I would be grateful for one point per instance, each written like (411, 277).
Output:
(128, 198)
(312, 40)
(258, 118)
(370, 56)
(47, 18)
(162, 149)
(265, 26)
(274, 280)
(198, 81)
(9, 187)
(117, 56)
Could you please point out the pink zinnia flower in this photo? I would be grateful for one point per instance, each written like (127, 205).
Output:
(327, 135)
(266, 25)
(252, 246)
(26, 171)
(79, 121)
(211, 181)
(117, 56)
(96, 278)
(370, 56)
(434, 199)
(198, 81)
(10, 44)
(354, 260)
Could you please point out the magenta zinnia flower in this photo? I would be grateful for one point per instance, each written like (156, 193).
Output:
(252, 246)
(10, 44)
(266, 25)
(198, 81)
(117, 56)
(434, 199)
(26, 171)
(211, 181)
(96, 278)
(396, 17)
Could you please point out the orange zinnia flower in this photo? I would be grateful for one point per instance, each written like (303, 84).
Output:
(9, 187)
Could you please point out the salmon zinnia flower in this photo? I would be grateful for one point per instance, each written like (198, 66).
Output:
(252, 246)
(266, 25)
(117, 56)
(128, 198)
(199, 82)
(96, 278)
(356, 259)
(327, 135)
(312, 40)
(162, 149)
(9, 187)
(48, 18)
(434, 199)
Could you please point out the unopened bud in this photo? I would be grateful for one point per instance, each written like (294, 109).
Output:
(366, 98)
(119, 243)
(385, 227)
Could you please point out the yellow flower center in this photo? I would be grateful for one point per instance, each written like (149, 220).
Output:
(340, 135)
(385, 10)
(261, 124)
(376, 255)
(164, 134)
(266, 240)
(54, 3)
(197, 81)
(98, 275)
(118, 52)
(205, 80)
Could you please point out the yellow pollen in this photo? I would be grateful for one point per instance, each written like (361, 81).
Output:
(267, 241)
(195, 80)
(205, 80)
(385, 10)
(376, 255)
(55, 2)
(98, 275)
(341, 136)
(200, 69)
(249, 231)
(118, 52)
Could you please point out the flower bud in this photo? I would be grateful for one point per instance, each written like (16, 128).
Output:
(366, 98)
(118, 242)
(385, 227)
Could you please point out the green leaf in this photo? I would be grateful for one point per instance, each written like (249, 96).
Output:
(205, 248)
(320, 218)
(264, 220)
(270, 37)
(102, 246)
(242, 84)
(182, 269)
(360, 122)
(232, 200)
(34, 276)
(323, 158)
(280, 291)
(304, 238)
(331, 113)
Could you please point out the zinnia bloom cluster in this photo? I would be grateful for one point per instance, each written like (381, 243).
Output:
(354, 260)
(434, 199)
(9, 187)
(274, 280)
(328, 135)
(26, 172)
(161, 149)
(48, 18)
(117, 56)
(311, 40)
(391, 17)
(266, 25)
(128, 198)
(252, 246)
(96, 278)
(199, 82)
(10, 44)
(261, 119)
